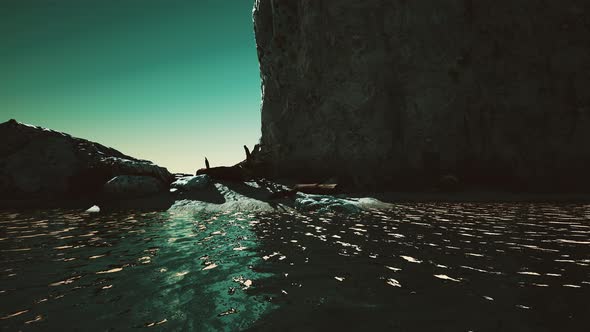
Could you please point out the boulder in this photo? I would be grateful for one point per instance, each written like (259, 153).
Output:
(36, 162)
(131, 186)
(189, 183)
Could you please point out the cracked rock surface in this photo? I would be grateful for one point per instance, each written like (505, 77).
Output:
(395, 91)
(36, 162)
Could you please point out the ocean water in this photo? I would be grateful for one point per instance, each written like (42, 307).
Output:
(416, 267)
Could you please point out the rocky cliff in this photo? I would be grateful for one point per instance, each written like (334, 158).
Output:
(36, 162)
(402, 92)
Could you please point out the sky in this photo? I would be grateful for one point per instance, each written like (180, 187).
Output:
(171, 81)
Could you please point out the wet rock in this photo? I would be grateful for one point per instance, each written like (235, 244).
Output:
(152, 324)
(189, 183)
(231, 200)
(36, 162)
(248, 197)
(321, 203)
(231, 311)
(130, 186)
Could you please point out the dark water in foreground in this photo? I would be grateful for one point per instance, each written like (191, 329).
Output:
(425, 267)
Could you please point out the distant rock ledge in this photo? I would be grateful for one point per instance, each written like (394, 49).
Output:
(39, 163)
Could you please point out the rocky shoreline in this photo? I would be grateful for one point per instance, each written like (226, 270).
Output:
(42, 168)
(218, 196)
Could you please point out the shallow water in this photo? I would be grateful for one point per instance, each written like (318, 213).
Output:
(456, 267)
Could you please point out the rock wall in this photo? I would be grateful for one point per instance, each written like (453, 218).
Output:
(399, 91)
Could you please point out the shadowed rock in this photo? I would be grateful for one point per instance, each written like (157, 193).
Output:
(188, 183)
(38, 162)
(226, 173)
(132, 186)
(372, 90)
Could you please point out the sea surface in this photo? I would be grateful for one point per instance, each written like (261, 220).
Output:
(416, 267)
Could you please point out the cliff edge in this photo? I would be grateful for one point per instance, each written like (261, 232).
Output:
(400, 93)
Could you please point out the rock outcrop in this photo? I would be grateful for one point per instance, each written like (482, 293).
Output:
(36, 162)
(402, 92)
(132, 186)
(188, 183)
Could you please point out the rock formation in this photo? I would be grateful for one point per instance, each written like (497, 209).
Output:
(188, 183)
(132, 186)
(403, 92)
(36, 162)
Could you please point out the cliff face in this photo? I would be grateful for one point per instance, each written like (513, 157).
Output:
(397, 91)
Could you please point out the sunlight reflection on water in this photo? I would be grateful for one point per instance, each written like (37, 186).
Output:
(126, 270)
(418, 266)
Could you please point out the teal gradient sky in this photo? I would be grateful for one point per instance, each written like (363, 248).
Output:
(171, 81)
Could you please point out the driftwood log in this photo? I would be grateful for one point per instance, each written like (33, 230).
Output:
(239, 172)
(255, 167)
(317, 188)
(248, 156)
(227, 173)
(308, 188)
